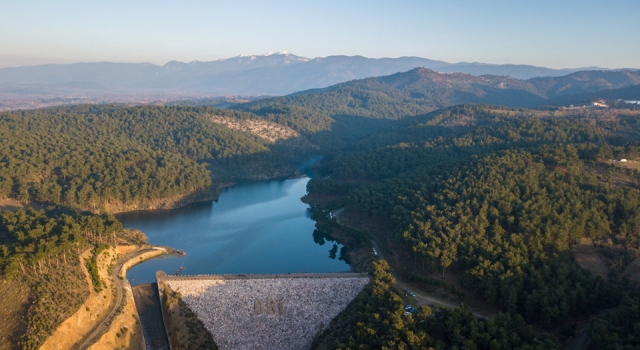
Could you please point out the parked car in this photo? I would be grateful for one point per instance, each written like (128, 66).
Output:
(407, 307)
(409, 292)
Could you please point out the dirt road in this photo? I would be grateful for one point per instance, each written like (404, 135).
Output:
(119, 286)
(422, 298)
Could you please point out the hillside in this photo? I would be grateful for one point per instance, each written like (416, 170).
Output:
(40, 251)
(481, 204)
(484, 205)
(420, 91)
(631, 93)
(116, 158)
(584, 82)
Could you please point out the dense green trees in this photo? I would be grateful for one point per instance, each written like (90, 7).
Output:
(494, 196)
(89, 156)
(426, 152)
(507, 221)
(421, 91)
(92, 267)
(395, 96)
(619, 328)
(499, 201)
(41, 248)
(29, 238)
(376, 320)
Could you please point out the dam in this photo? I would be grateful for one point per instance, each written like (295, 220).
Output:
(279, 311)
(254, 228)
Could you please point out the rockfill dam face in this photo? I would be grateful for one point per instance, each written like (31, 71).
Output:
(266, 311)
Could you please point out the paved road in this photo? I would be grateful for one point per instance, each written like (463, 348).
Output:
(422, 298)
(119, 286)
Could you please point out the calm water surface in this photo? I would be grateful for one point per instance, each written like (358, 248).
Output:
(253, 228)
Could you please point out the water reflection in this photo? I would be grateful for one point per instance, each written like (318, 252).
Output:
(321, 238)
(253, 228)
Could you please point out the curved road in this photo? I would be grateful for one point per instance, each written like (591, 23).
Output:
(421, 297)
(118, 286)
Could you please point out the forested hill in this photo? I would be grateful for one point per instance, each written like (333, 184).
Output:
(399, 95)
(630, 93)
(418, 82)
(115, 157)
(497, 201)
(482, 201)
(421, 90)
(584, 81)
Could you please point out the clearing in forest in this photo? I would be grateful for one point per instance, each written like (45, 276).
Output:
(261, 128)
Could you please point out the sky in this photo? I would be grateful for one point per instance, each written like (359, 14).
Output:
(555, 34)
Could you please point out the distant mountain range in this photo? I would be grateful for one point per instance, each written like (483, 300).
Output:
(269, 74)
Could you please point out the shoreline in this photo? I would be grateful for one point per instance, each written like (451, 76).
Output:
(222, 187)
(196, 197)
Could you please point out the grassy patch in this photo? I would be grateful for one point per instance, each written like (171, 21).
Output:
(92, 266)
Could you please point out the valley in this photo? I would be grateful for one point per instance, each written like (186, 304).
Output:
(509, 220)
(319, 175)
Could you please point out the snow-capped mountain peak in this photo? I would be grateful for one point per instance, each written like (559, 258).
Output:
(281, 54)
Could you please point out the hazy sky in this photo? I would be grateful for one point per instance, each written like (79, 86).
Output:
(546, 33)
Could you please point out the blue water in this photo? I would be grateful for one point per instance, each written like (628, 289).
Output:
(259, 227)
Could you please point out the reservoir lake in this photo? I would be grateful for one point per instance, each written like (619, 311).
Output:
(259, 227)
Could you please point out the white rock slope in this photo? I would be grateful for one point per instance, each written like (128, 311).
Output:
(264, 313)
